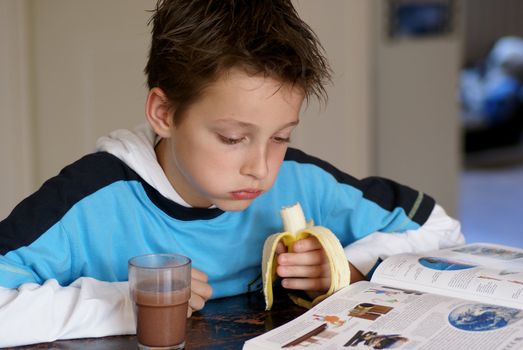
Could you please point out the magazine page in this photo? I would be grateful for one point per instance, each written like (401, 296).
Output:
(367, 315)
(482, 272)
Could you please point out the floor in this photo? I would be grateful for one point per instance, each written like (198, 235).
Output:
(491, 198)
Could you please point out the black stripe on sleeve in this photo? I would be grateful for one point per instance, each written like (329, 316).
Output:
(41, 210)
(386, 193)
(44, 208)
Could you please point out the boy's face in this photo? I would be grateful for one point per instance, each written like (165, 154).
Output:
(229, 145)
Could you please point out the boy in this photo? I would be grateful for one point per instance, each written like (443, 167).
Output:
(206, 177)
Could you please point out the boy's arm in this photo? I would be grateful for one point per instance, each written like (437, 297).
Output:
(373, 217)
(355, 274)
(87, 308)
(305, 269)
(42, 313)
(438, 232)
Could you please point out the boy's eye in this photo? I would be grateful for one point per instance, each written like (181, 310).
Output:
(230, 140)
(282, 139)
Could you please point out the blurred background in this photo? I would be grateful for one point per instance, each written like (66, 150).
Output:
(426, 92)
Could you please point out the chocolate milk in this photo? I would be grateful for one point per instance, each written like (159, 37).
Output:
(161, 316)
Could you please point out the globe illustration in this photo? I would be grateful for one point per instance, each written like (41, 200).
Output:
(483, 317)
(442, 264)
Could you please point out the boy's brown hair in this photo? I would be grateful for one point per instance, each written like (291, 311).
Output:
(194, 41)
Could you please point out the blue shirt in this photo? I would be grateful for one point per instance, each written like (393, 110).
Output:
(97, 213)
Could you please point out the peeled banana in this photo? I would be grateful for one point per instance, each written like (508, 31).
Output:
(295, 228)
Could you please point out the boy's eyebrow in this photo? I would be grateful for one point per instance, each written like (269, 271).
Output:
(246, 125)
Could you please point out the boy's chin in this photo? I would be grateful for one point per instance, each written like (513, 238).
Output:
(234, 205)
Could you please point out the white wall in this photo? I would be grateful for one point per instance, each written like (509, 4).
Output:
(417, 132)
(88, 59)
(16, 158)
(342, 132)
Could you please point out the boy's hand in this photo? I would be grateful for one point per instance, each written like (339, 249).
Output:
(201, 291)
(307, 268)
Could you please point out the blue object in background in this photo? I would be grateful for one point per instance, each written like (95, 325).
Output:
(421, 19)
(501, 98)
(491, 93)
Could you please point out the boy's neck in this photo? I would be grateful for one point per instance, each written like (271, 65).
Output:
(163, 151)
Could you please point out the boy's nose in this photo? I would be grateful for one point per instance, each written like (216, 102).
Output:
(256, 164)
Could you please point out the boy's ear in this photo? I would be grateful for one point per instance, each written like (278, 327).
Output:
(159, 112)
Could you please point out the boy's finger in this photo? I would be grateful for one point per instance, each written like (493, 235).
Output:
(195, 303)
(199, 275)
(306, 244)
(308, 284)
(280, 248)
(200, 293)
(314, 271)
(202, 289)
(314, 257)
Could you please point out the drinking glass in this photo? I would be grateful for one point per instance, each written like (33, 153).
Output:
(160, 287)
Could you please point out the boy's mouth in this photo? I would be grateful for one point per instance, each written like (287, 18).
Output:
(248, 193)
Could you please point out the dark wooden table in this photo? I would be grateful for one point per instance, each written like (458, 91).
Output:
(223, 324)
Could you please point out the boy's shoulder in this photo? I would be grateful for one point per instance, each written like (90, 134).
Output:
(98, 169)
(385, 192)
(79, 180)
(58, 195)
(316, 164)
(299, 156)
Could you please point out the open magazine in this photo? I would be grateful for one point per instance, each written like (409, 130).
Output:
(466, 297)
